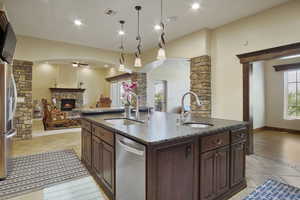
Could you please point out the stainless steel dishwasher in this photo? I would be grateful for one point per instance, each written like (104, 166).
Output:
(130, 169)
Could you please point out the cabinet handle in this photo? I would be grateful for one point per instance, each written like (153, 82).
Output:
(188, 151)
(219, 141)
(216, 155)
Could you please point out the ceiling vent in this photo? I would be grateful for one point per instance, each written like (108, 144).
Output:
(110, 12)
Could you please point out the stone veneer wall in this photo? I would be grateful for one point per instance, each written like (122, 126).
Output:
(141, 79)
(59, 95)
(22, 71)
(201, 84)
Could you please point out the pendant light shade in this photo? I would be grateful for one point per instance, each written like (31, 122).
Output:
(122, 57)
(138, 60)
(161, 54)
(122, 68)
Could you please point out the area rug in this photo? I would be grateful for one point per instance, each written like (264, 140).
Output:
(35, 172)
(275, 190)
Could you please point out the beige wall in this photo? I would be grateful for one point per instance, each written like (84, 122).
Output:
(177, 74)
(34, 49)
(275, 96)
(46, 75)
(271, 28)
(259, 95)
(274, 27)
(189, 46)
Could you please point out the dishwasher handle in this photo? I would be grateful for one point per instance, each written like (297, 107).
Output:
(129, 148)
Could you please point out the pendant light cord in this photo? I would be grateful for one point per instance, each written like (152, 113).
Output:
(162, 41)
(122, 58)
(139, 39)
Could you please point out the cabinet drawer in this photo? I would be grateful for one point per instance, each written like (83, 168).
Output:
(239, 135)
(213, 142)
(104, 135)
(86, 125)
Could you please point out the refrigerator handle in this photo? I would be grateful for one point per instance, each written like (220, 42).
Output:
(15, 94)
(12, 134)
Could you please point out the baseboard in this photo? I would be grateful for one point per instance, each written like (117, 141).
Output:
(259, 129)
(269, 128)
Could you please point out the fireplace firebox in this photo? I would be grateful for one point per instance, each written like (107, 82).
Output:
(67, 104)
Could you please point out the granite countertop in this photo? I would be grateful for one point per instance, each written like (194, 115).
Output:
(162, 127)
(90, 111)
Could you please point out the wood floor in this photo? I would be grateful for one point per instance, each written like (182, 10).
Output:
(278, 146)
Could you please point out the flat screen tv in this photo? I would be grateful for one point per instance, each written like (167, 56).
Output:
(9, 41)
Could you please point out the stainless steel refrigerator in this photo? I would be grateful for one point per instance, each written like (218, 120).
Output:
(8, 102)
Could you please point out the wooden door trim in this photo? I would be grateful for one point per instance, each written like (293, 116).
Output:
(246, 60)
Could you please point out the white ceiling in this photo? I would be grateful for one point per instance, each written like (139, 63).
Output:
(53, 19)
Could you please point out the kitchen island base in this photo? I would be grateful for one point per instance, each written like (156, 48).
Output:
(200, 167)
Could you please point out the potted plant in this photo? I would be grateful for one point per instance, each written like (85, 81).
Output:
(128, 90)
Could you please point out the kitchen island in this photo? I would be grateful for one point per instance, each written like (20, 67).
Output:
(159, 158)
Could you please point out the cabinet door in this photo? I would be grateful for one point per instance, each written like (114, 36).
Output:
(87, 147)
(175, 172)
(238, 152)
(108, 165)
(222, 170)
(83, 148)
(208, 175)
(97, 155)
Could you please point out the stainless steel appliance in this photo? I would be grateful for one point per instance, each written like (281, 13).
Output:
(130, 169)
(8, 102)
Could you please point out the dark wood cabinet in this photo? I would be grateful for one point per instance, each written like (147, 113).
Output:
(97, 156)
(86, 150)
(222, 170)
(209, 167)
(214, 175)
(175, 174)
(238, 163)
(207, 175)
(108, 165)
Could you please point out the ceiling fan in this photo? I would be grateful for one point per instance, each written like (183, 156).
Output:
(79, 64)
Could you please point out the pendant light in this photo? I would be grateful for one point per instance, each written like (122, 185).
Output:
(161, 55)
(138, 60)
(122, 57)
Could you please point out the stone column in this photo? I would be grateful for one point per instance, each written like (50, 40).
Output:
(22, 71)
(141, 79)
(201, 84)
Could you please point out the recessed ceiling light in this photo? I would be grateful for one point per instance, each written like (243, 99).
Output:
(77, 22)
(195, 5)
(157, 27)
(110, 12)
(121, 32)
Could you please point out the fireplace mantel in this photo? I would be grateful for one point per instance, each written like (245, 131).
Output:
(67, 90)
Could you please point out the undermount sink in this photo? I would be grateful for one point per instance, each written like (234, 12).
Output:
(197, 125)
(124, 121)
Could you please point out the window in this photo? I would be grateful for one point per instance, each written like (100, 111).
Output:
(292, 94)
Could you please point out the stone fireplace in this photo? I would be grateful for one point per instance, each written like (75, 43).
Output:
(67, 98)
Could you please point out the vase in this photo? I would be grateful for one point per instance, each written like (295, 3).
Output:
(127, 111)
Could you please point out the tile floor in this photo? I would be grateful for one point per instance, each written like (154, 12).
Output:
(38, 129)
(261, 166)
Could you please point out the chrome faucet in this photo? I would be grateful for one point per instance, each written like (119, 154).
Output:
(183, 111)
(137, 108)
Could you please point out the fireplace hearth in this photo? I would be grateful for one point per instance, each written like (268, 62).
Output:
(67, 104)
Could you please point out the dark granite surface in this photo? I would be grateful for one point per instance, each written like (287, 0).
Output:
(161, 127)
